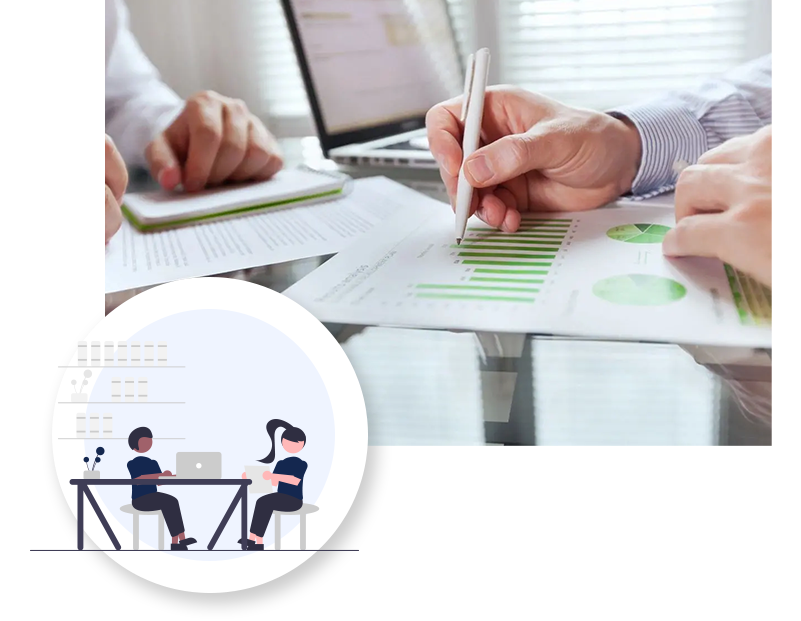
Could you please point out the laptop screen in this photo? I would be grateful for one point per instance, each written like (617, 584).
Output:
(374, 63)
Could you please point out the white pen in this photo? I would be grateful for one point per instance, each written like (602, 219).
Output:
(475, 86)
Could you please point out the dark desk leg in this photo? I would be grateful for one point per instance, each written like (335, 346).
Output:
(102, 519)
(80, 516)
(224, 521)
(244, 492)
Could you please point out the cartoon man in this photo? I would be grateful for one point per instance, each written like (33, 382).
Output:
(146, 497)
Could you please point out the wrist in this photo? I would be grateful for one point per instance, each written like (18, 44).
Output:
(631, 151)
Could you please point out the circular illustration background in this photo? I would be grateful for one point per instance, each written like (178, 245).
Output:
(206, 379)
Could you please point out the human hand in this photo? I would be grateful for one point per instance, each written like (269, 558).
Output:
(116, 182)
(538, 155)
(167, 473)
(268, 476)
(244, 475)
(723, 206)
(215, 139)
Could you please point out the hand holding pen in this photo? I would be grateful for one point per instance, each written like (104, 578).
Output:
(538, 155)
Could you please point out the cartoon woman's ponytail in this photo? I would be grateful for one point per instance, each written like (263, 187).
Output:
(293, 434)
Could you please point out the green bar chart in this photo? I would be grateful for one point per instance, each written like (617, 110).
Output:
(502, 267)
(751, 299)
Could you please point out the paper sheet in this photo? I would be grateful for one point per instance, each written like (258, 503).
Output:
(135, 259)
(598, 274)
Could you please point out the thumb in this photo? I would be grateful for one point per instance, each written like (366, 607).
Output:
(702, 235)
(512, 156)
(163, 164)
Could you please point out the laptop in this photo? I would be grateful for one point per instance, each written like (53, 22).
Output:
(372, 70)
(198, 465)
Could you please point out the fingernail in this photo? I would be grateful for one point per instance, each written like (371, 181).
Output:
(444, 163)
(479, 168)
(453, 165)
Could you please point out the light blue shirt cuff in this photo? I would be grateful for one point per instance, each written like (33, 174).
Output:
(669, 132)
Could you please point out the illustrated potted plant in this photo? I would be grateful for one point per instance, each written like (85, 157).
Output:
(79, 396)
(93, 474)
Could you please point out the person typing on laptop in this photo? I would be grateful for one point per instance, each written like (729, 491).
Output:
(204, 141)
(147, 497)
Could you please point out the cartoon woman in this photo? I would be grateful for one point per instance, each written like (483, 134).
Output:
(287, 475)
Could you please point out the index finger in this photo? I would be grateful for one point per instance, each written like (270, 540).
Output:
(444, 129)
(705, 188)
(700, 235)
(204, 121)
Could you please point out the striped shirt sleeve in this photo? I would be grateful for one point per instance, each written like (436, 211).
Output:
(684, 125)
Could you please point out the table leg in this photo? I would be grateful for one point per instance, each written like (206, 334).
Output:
(225, 519)
(80, 516)
(102, 519)
(244, 492)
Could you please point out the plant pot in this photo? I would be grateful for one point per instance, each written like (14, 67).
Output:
(79, 398)
(91, 474)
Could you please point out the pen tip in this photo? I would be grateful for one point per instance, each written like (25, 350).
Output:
(458, 241)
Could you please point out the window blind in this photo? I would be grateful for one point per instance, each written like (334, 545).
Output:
(602, 53)
(595, 53)
(283, 96)
(462, 24)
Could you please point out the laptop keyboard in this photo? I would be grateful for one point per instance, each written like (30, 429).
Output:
(401, 146)
(752, 299)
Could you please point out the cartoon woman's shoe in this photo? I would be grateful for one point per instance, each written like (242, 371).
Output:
(252, 545)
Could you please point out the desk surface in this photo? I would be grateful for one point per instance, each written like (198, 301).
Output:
(161, 481)
(525, 390)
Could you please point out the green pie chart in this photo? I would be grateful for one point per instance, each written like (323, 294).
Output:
(639, 290)
(638, 233)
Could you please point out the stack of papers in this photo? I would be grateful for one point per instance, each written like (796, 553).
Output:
(598, 274)
(135, 259)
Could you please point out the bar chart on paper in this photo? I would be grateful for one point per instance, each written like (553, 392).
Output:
(494, 267)
(598, 274)
(489, 272)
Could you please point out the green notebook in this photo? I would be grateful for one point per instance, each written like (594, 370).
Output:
(149, 211)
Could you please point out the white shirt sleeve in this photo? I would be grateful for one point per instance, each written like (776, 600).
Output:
(138, 104)
(685, 125)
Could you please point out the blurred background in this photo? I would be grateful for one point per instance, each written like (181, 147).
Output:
(593, 53)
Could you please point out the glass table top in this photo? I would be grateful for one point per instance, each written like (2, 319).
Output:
(428, 387)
